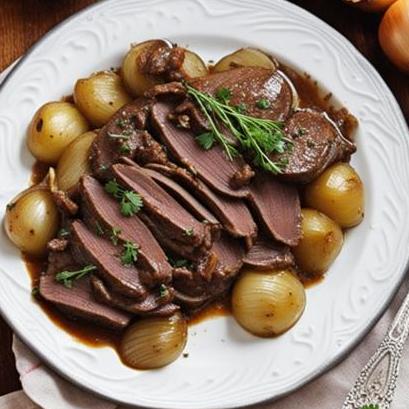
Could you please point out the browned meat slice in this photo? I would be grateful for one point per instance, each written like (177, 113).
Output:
(269, 255)
(184, 197)
(162, 60)
(153, 304)
(78, 301)
(65, 203)
(278, 208)
(210, 165)
(194, 290)
(123, 135)
(89, 248)
(317, 143)
(105, 217)
(168, 220)
(57, 244)
(233, 213)
(249, 85)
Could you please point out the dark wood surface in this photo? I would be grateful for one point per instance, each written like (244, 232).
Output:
(22, 22)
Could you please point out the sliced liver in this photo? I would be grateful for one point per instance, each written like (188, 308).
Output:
(104, 209)
(317, 143)
(269, 255)
(278, 208)
(90, 248)
(78, 301)
(170, 219)
(248, 85)
(153, 304)
(212, 165)
(233, 213)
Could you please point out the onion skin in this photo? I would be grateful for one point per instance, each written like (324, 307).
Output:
(374, 6)
(32, 220)
(394, 34)
(320, 244)
(154, 342)
(245, 57)
(54, 126)
(74, 162)
(339, 193)
(268, 303)
(100, 96)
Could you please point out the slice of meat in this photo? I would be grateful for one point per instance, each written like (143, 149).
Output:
(210, 165)
(317, 143)
(152, 305)
(89, 248)
(103, 209)
(123, 135)
(183, 196)
(78, 301)
(248, 85)
(269, 255)
(278, 208)
(195, 290)
(233, 213)
(173, 222)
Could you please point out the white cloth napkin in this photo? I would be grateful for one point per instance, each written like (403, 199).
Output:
(43, 388)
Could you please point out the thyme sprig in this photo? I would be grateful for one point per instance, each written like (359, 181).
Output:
(258, 136)
(68, 277)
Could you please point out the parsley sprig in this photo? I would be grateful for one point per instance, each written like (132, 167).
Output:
(67, 277)
(130, 253)
(371, 406)
(261, 137)
(130, 202)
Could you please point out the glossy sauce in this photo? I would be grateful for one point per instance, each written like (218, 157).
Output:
(310, 96)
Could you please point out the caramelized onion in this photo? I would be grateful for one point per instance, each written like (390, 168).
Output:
(54, 126)
(74, 162)
(154, 342)
(394, 34)
(268, 303)
(245, 57)
(320, 244)
(100, 96)
(32, 220)
(339, 193)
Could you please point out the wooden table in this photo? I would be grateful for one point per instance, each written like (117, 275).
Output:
(22, 22)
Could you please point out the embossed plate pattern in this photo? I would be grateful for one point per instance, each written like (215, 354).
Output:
(226, 367)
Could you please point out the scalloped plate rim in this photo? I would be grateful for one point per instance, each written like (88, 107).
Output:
(8, 73)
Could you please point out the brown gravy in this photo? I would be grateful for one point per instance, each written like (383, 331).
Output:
(311, 96)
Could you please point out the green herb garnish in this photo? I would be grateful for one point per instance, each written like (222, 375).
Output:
(263, 103)
(67, 277)
(125, 148)
(115, 232)
(206, 140)
(189, 232)
(99, 229)
(63, 232)
(223, 95)
(117, 135)
(163, 290)
(130, 202)
(129, 254)
(260, 137)
(370, 406)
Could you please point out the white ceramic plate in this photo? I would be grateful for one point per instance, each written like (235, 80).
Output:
(226, 366)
